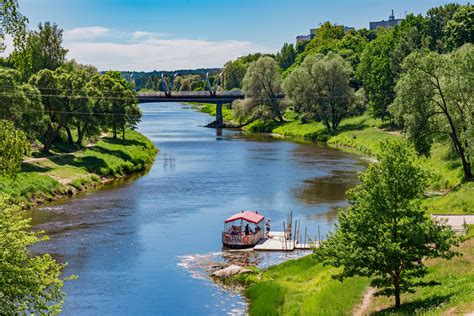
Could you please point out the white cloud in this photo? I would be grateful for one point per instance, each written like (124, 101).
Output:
(85, 33)
(159, 54)
(147, 51)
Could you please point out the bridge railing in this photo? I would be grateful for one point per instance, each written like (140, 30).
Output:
(191, 93)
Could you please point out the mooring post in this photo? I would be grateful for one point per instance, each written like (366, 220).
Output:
(319, 237)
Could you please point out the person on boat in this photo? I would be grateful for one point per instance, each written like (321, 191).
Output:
(247, 230)
(267, 226)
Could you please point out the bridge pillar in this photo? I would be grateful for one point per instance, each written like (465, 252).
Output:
(219, 118)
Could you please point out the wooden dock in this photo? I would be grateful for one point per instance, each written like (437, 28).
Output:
(278, 242)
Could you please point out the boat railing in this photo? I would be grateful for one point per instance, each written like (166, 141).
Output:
(241, 239)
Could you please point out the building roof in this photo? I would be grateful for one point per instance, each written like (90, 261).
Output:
(249, 216)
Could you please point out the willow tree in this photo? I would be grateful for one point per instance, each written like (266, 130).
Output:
(434, 102)
(385, 233)
(320, 86)
(262, 86)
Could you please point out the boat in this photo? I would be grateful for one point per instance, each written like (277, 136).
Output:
(243, 230)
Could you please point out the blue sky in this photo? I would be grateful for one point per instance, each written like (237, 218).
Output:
(176, 34)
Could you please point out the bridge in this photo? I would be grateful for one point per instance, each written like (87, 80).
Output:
(213, 97)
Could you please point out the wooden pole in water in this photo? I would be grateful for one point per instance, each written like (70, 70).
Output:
(319, 236)
(294, 237)
(299, 226)
(283, 244)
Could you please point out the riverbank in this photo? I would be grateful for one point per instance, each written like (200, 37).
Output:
(363, 135)
(303, 286)
(66, 172)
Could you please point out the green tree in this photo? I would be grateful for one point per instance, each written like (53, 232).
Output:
(286, 56)
(43, 50)
(320, 86)
(385, 233)
(29, 284)
(377, 75)
(433, 102)
(48, 83)
(262, 85)
(233, 74)
(12, 21)
(21, 104)
(460, 29)
(13, 146)
(438, 17)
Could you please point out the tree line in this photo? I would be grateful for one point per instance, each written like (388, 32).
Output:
(49, 97)
(416, 76)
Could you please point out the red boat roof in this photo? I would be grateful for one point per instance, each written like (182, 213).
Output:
(249, 216)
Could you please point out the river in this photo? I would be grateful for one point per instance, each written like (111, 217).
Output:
(133, 243)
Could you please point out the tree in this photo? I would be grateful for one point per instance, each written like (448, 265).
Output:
(460, 29)
(13, 146)
(376, 73)
(21, 104)
(434, 102)
(320, 86)
(385, 233)
(29, 284)
(48, 83)
(233, 74)
(286, 57)
(12, 21)
(438, 17)
(262, 85)
(43, 50)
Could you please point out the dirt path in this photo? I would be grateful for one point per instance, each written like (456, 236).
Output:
(362, 308)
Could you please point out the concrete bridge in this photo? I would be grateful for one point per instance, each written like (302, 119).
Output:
(215, 97)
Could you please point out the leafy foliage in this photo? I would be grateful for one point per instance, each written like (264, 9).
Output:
(13, 145)
(321, 86)
(433, 101)
(28, 284)
(385, 234)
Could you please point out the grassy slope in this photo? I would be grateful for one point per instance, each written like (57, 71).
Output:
(64, 173)
(301, 287)
(454, 294)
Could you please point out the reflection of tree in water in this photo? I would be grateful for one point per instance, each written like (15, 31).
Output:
(328, 189)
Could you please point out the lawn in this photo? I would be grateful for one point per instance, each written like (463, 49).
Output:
(453, 294)
(302, 287)
(66, 172)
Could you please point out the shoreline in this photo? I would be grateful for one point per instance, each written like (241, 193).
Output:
(69, 174)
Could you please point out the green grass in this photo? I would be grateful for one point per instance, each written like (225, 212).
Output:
(302, 287)
(453, 294)
(459, 201)
(63, 173)
(211, 110)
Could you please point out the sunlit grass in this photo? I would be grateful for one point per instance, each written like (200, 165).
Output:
(454, 293)
(303, 287)
(57, 174)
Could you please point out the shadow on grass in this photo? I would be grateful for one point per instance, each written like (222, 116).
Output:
(89, 163)
(417, 307)
(124, 142)
(26, 167)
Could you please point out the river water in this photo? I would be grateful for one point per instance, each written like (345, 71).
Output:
(134, 244)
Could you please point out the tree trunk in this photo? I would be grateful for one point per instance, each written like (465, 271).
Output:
(69, 135)
(396, 283)
(123, 133)
(49, 138)
(115, 133)
(79, 135)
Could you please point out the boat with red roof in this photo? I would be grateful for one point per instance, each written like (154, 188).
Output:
(243, 230)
